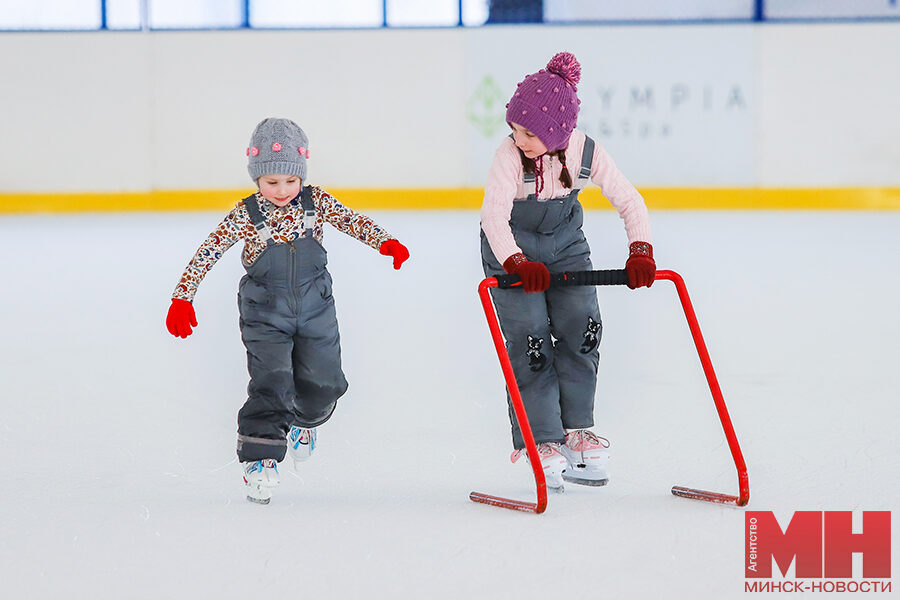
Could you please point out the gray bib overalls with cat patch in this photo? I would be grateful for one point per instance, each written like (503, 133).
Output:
(552, 337)
(290, 330)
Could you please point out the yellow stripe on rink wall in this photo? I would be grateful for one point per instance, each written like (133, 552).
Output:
(770, 198)
(464, 199)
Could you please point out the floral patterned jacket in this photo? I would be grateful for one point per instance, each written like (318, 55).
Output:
(285, 223)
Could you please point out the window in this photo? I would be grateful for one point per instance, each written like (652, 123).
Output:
(50, 14)
(288, 14)
(436, 13)
(315, 13)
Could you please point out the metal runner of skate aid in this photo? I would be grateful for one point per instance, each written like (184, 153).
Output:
(605, 277)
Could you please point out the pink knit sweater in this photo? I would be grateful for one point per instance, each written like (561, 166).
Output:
(505, 185)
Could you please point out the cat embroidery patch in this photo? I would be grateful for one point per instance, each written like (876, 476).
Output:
(591, 335)
(536, 359)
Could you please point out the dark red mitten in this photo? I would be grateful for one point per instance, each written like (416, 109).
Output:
(180, 318)
(535, 276)
(396, 250)
(640, 265)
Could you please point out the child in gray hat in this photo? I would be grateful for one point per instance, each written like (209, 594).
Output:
(288, 321)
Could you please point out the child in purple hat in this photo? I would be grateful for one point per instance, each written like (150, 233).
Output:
(531, 225)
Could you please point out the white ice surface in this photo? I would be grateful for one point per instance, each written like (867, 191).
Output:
(119, 478)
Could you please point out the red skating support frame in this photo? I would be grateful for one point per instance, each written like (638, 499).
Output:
(609, 278)
(522, 418)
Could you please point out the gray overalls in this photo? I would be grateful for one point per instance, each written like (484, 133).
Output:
(290, 330)
(552, 337)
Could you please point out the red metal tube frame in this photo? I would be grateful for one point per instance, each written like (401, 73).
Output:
(743, 481)
(541, 504)
(519, 408)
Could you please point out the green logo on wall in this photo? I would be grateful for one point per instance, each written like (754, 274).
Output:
(486, 108)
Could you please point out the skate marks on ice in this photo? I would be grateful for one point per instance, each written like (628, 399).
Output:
(118, 437)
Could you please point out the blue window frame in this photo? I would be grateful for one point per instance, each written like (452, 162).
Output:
(78, 15)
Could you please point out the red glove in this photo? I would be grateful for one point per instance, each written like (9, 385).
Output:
(395, 249)
(180, 318)
(640, 265)
(535, 276)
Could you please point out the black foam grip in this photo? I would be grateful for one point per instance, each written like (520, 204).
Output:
(603, 277)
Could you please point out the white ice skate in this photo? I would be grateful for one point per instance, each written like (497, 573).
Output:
(552, 462)
(587, 455)
(260, 477)
(301, 444)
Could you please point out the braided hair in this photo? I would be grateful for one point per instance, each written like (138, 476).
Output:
(565, 178)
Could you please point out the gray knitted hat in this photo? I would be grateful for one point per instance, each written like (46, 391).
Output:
(277, 147)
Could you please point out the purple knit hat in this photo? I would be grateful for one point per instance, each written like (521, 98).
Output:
(546, 102)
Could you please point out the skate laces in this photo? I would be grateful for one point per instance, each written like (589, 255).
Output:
(301, 436)
(545, 450)
(585, 440)
(259, 466)
(548, 448)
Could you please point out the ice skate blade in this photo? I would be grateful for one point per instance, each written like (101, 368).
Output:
(260, 493)
(597, 482)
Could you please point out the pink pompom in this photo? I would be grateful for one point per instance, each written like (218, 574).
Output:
(566, 66)
(276, 147)
(254, 151)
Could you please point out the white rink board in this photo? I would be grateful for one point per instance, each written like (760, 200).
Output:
(678, 106)
(682, 105)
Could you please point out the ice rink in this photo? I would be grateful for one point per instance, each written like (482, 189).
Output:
(120, 478)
